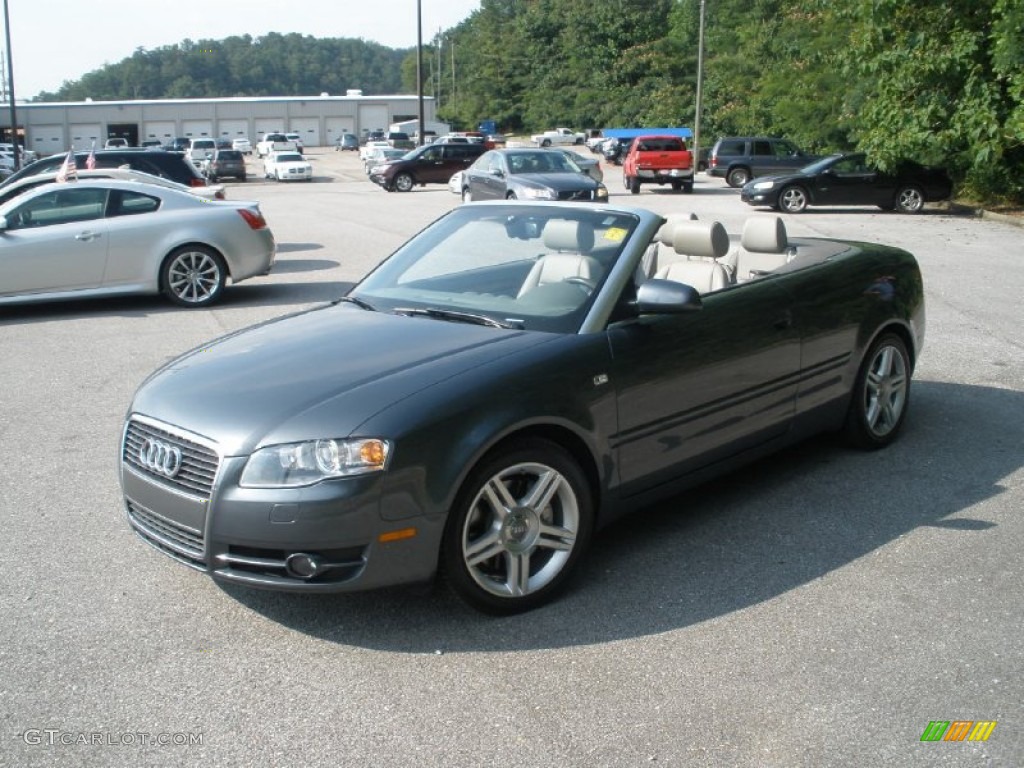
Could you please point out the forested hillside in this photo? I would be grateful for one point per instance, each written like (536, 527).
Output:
(941, 81)
(274, 65)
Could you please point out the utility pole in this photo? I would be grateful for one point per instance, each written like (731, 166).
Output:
(700, 87)
(10, 90)
(419, 69)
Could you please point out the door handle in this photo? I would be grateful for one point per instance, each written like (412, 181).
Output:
(86, 236)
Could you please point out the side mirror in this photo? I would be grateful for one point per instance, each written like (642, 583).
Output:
(666, 297)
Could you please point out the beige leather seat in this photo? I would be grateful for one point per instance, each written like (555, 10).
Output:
(570, 241)
(696, 246)
(764, 248)
(663, 237)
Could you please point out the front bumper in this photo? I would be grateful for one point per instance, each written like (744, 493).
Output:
(249, 536)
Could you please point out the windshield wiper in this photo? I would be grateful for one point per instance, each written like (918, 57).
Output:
(450, 314)
(358, 302)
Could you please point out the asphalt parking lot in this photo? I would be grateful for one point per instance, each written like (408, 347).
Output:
(820, 608)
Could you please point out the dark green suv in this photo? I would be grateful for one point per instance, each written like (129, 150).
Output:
(738, 159)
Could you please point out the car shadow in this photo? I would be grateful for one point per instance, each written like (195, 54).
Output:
(293, 247)
(245, 294)
(287, 266)
(739, 541)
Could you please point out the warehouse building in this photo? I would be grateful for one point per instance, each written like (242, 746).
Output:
(48, 128)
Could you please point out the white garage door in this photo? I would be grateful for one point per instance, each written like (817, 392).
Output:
(336, 126)
(308, 128)
(237, 128)
(197, 129)
(46, 139)
(373, 117)
(86, 136)
(161, 130)
(268, 125)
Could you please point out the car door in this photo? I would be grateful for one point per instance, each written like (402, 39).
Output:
(850, 181)
(457, 157)
(488, 177)
(696, 388)
(134, 236)
(55, 241)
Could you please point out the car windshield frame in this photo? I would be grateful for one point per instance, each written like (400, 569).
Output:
(481, 260)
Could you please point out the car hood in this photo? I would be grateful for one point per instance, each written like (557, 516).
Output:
(557, 181)
(321, 373)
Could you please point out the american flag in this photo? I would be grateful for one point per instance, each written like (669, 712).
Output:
(68, 171)
(90, 161)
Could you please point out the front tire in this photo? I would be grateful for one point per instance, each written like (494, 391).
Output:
(737, 177)
(193, 276)
(909, 200)
(519, 527)
(881, 394)
(793, 200)
(404, 182)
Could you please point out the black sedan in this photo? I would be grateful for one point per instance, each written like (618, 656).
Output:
(511, 379)
(850, 179)
(529, 174)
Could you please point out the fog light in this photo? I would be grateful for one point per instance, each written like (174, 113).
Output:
(302, 566)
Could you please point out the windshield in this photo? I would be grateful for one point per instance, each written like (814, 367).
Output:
(542, 161)
(533, 267)
(820, 165)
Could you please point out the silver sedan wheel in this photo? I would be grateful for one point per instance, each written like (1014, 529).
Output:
(521, 530)
(793, 200)
(193, 276)
(885, 390)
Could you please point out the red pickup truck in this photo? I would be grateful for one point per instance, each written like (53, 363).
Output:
(658, 160)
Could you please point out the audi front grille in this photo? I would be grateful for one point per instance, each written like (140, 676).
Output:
(170, 458)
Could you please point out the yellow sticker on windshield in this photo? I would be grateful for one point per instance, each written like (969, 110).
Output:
(615, 234)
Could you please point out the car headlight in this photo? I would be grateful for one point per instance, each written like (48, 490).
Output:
(602, 192)
(761, 186)
(539, 194)
(295, 464)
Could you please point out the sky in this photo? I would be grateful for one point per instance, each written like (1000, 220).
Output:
(57, 40)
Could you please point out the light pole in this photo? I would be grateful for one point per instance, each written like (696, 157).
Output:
(10, 90)
(419, 68)
(700, 87)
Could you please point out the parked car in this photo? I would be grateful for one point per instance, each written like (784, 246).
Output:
(100, 237)
(115, 143)
(382, 155)
(225, 163)
(658, 160)
(368, 148)
(27, 155)
(400, 140)
(455, 184)
(22, 185)
(347, 142)
(178, 144)
(242, 145)
(850, 179)
(287, 166)
(151, 144)
(430, 164)
(589, 165)
(199, 149)
(274, 142)
(533, 174)
(158, 162)
(506, 383)
(296, 139)
(738, 159)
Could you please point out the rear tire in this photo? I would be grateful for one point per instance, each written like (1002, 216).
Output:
(193, 276)
(881, 394)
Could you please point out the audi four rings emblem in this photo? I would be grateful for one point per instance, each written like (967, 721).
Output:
(157, 456)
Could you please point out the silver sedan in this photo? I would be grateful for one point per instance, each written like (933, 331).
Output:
(101, 237)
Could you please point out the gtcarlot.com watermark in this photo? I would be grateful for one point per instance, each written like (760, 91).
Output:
(53, 737)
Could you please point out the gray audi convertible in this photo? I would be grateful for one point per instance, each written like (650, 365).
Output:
(508, 381)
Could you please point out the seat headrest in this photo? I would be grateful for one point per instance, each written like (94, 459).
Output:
(701, 238)
(666, 233)
(764, 235)
(565, 235)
